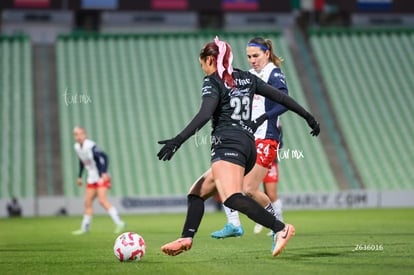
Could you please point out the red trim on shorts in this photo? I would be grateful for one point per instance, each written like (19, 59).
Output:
(266, 152)
(99, 184)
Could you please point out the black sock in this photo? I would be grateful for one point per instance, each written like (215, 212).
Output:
(269, 208)
(254, 211)
(195, 212)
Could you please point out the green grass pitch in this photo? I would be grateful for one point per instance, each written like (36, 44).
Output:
(324, 243)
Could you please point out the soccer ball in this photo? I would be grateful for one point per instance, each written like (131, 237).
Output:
(129, 246)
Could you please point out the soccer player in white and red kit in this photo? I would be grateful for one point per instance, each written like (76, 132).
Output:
(98, 181)
(265, 65)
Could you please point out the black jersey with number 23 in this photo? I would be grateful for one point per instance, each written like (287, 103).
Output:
(234, 106)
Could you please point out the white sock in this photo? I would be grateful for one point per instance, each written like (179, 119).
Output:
(232, 216)
(114, 215)
(86, 222)
(277, 206)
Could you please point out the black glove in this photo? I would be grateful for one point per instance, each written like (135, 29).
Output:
(170, 147)
(313, 124)
(258, 121)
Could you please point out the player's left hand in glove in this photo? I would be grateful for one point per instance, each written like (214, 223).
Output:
(313, 124)
(170, 147)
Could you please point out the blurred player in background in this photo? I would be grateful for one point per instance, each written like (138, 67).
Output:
(13, 208)
(98, 181)
(266, 65)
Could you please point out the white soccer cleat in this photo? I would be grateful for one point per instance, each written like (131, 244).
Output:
(257, 228)
(119, 228)
(79, 232)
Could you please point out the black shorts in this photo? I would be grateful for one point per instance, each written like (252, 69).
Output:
(236, 147)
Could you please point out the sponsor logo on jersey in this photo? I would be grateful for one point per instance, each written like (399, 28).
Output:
(231, 154)
(280, 76)
(206, 90)
(239, 92)
(242, 82)
(246, 127)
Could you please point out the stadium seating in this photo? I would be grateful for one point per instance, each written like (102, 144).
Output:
(138, 89)
(369, 79)
(134, 104)
(131, 90)
(17, 173)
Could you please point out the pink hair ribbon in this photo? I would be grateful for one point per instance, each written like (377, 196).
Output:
(222, 51)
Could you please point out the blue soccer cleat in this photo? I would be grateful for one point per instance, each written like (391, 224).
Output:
(229, 230)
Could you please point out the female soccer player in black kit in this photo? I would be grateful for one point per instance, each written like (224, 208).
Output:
(227, 97)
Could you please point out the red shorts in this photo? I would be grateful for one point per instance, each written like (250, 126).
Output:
(99, 184)
(266, 152)
(272, 175)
